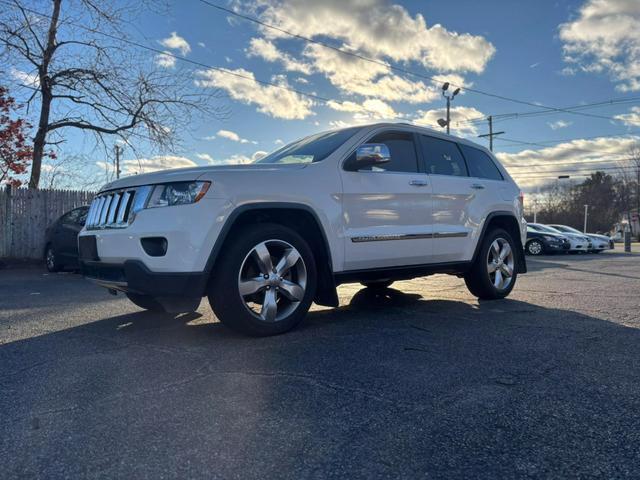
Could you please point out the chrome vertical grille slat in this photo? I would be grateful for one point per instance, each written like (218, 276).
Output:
(112, 209)
(115, 200)
(124, 203)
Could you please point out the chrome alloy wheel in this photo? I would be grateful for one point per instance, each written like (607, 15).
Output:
(535, 248)
(500, 263)
(272, 280)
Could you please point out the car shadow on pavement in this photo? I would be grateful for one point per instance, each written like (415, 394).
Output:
(388, 384)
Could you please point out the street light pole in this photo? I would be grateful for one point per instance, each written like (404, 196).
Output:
(448, 113)
(441, 121)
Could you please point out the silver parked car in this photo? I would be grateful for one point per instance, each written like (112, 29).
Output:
(598, 242)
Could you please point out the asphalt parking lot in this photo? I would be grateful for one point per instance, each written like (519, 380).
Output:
(422, 382)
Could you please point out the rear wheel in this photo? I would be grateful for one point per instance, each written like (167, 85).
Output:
(146, 302)
(378, 284)
(51, 260)
(266, 281)
(535, 247)
(493, 274)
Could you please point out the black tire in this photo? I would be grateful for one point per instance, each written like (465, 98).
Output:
(478, 278)
(51, 260)
(224, 291)
(378, 284)
(146, 302)
(534, 247)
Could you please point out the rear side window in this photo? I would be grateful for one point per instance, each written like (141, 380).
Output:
(480, 164)
(402, 150)
(442, 157)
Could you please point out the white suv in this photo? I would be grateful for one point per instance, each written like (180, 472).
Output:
(369, 204)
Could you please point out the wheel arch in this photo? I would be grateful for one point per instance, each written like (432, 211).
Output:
(507, 221)
(299, 217)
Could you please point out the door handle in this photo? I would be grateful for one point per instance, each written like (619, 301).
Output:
(477, 186)
(418, 183)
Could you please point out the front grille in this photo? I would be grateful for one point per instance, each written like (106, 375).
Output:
(112, 209)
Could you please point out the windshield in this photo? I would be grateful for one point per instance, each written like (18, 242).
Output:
(310, 149)
(545, 228)
(563, 228)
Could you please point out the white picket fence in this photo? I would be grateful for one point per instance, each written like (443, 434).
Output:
(25, 214)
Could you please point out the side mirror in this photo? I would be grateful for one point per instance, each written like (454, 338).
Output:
(370, 154)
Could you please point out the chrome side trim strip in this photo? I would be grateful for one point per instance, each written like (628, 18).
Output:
(408, 236)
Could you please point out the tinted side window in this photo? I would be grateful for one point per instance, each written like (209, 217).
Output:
(442, 157)
(480, 164)
(78, 215)
(402, 150)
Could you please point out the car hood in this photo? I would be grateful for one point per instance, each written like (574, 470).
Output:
(575, 236)
(194, 173)
(549, 234)
(597, 236)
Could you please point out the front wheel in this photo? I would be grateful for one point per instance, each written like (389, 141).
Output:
(494, 272)
(535, 247)
(51, 260)
(265, 282)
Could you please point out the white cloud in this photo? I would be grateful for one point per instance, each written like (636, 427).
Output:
(631, 119)
(25, 78)
(259, 47)
(241, 85)
(205, 156)
(355, 76)
(278, 141)
(605, 151)
(459, 116)
(176, 42)
(557, 125)
(382, 29)
(238, 159)
(604, 39)
(152, 164)
(372, 109)
(165, 60)
(201, 44)
(229, 135)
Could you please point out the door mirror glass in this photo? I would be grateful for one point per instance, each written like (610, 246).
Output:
(370, 154)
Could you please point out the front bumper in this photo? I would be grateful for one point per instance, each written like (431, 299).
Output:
(134, 277)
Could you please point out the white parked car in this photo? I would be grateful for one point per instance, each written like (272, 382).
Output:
(580, 243)
(598, 243)
(369, 204)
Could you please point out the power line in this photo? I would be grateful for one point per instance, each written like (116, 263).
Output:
(571, 172)
(548, 164)
(183, 59)
(387, 65)
(577, 149)
(547, 143)
(516, 115)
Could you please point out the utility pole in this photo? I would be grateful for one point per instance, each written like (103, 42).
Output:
(491, 133)
(117, 151)
(535, 206)
(586, 214)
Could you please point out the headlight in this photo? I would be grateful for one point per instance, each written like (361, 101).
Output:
(550, 238)
(178, 193)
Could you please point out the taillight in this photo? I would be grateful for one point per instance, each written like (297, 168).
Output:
(521, 199)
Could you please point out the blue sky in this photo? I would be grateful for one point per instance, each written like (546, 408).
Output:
(557, 53)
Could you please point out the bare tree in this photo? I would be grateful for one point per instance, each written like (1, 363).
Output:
(79, 78)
